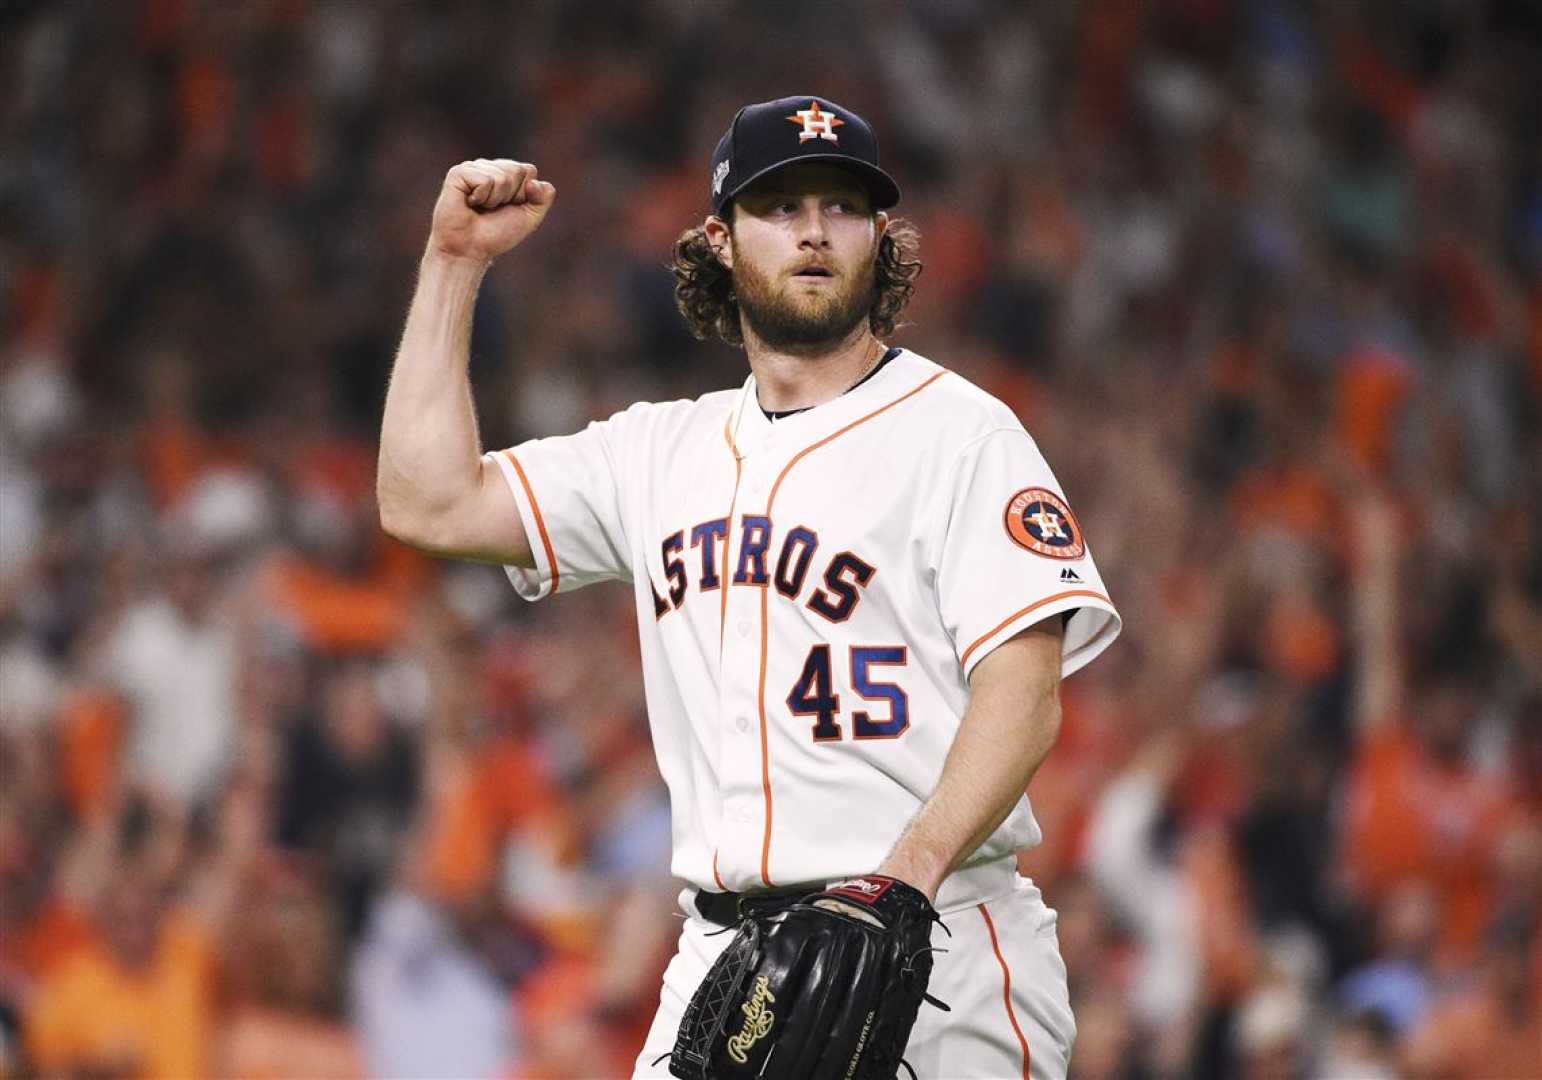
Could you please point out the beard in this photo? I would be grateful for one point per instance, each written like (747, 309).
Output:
(802, 323)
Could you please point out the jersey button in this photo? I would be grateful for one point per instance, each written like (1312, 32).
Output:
(743, 724)
(744, 628)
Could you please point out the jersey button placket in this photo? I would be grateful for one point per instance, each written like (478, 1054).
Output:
(741, 766)
(739, 750)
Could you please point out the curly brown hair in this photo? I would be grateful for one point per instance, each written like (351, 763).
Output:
(704, 287)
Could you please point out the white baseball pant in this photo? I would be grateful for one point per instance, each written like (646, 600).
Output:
(1002, 975)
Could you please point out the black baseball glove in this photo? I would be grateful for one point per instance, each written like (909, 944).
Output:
(828, 986)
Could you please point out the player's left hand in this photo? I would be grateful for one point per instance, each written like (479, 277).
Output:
(488, 207)
(829, 987)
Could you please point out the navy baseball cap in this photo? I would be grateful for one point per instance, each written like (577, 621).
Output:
(764, 137)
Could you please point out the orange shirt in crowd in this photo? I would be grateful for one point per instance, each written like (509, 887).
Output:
(1414, 819)
(92, 1015)
(563, 1038)
(337, 614)
(1300, 639)
(37, 948)
(262, 1044)
(1370, 392)
(1473, 1039)
(1293, 497)
(503, 789)
(1210, 867)
(91, 726)
(172, 456)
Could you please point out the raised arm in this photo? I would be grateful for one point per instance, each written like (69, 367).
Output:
(435, 491)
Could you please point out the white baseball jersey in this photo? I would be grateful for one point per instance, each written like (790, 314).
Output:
(812, 595)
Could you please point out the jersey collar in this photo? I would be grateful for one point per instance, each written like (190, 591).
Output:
(752, 433)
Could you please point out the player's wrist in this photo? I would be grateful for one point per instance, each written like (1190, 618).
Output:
(441, 260)
(918, 874)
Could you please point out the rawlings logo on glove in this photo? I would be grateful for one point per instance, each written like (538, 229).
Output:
(847, 970)
(757, 1021)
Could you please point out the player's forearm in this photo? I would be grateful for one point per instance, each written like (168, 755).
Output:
(429, 445)
(1006, 734)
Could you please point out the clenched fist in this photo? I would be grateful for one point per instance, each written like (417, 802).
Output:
(487, 207)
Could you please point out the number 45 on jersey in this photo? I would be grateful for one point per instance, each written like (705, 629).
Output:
(814, 693)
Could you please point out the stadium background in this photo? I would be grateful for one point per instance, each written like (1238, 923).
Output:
(279, 797)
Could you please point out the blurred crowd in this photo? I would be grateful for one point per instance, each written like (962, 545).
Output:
(279, 797)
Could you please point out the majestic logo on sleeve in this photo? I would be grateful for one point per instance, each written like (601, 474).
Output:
(817, 124)
(1040, 521)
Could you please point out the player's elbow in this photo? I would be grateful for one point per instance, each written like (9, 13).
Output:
(399, 526)
(429, 533)
(401, 519)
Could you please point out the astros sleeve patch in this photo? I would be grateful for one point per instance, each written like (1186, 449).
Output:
(1012, 553)
(1040, 521)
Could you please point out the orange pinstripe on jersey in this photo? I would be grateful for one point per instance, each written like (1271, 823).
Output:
(722, 611)
(540, 522)
(964, 660)
(1006, 987)
(765, 757)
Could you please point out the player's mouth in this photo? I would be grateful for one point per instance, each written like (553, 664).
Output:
(813, 272)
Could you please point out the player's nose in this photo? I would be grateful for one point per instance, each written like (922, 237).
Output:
(811, 228)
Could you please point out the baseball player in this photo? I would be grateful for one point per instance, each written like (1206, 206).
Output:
(858, 583)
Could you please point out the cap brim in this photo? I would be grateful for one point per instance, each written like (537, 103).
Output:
(880, 185)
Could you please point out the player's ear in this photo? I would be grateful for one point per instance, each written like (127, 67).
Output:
(720, 238)
(881, 221)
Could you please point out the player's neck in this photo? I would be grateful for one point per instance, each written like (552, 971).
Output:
(785, 381)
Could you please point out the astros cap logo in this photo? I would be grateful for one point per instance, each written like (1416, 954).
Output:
(1039, 520)
(758, 141)
(817, 124)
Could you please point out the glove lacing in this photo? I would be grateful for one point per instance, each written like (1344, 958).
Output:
(909, 969)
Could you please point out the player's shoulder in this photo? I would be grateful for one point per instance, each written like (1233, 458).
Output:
(958, 410)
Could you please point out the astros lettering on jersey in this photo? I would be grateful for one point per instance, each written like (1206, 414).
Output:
(812, 596)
